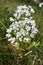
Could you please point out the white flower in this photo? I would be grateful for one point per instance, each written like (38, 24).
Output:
(9, 30)
(18, 16)
(18, 11)
(32, 35)
(32, 10)
(25, 7)
(34, 30)
(22, 31)
(18, 34)
(8, 35)
(13, 40)
(11, 19)
(11, 25)
(33, 23)
(33, 27)
(29, 6)
(28, 21)
(26, 39)
(27, 28)
(28, 14)
(10, 39)
(31, 18)
(40, 5)
(15, 14)
(20, 39)
(16, 44)
(26, 18)
(19, 7)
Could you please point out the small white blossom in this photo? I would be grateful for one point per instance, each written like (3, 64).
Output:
(20, 39)
(28, 13)
(13, 40)
(25, 7)
(15, 14)
(32, 10)
(11, 19)
(18, 34)
(31, 18)
(18, 16)
(16, 44)
(32, 35)
(29, 6)
(8, 35)
(33, 23)
(22, 31)
(26, 18)
(34, 30)
(26, 39)
(40, 5)
(9, 30)
(9, 39)
(28, 28)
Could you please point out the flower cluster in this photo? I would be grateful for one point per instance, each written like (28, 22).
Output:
(22, 29)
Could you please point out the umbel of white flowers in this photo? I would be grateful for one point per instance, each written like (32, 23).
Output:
(23, 27)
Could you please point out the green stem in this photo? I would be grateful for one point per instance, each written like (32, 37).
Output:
(3, 25)
(3, 38)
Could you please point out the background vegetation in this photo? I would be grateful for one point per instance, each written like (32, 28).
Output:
(31, 54)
